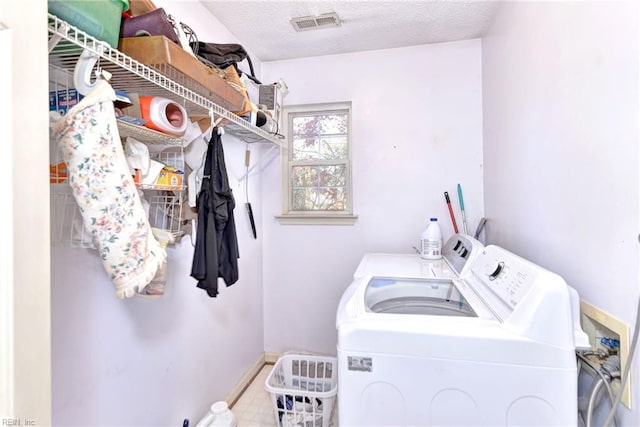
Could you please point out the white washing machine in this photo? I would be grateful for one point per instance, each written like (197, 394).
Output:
(457, 254)
(493, 347)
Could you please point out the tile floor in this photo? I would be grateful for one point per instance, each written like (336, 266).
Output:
(254, 408)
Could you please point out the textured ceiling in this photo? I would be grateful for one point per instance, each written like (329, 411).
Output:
(263, 26)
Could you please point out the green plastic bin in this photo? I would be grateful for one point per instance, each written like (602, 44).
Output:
(98, 18)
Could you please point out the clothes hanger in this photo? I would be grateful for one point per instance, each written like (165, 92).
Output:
(83, 70)
(194, 182)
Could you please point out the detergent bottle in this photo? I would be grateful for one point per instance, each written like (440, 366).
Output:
(218, 416)
(431, 241)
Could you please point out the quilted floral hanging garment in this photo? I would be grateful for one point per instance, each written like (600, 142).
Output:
(106, 194)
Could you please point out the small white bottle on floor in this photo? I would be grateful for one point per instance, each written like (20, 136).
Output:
(218, 416)
(431, 241)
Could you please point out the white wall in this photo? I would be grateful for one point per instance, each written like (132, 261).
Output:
(416, 132)
(560, 88)
(141, 362)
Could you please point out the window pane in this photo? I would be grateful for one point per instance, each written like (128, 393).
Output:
(319, 199)
(334, 148)
(305, 149)
(320, 136)
(326, 148)
(319, 187)
(305, 176)
(320, 124)
(319, 176)
(332, 176)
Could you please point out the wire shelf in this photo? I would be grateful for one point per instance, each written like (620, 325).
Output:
(165, 211)
(67, 225)
(66, 43)
(163, 202)
(146, 135)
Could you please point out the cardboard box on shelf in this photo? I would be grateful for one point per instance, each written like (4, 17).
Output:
(234, 80)
(140, 7)
(169, 59)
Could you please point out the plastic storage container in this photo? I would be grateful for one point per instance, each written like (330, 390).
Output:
(98, 18)
(431, 241)
(303, 390)
(218, 416)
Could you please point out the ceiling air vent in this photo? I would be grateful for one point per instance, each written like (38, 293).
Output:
(306, 23)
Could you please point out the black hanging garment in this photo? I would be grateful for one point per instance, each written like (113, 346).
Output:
(216, 252)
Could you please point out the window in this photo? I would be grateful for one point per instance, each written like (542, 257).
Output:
(317, 165)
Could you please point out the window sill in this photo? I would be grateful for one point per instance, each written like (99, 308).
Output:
(316, 219)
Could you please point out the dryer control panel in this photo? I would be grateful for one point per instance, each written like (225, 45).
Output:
(506, 282)
(507, 278)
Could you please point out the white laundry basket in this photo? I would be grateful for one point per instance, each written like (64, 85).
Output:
(303, 390)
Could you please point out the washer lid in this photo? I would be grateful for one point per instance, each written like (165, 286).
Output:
(402, 265)
(416, 296)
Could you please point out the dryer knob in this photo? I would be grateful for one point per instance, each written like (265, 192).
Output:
(493, 270)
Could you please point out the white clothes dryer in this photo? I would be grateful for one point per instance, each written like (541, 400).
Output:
(493, 348)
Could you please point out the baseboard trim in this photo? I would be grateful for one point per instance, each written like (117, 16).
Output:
(235, 393)
(264, 359)
(271, 358)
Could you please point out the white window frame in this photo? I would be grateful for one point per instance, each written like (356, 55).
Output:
(289, 216)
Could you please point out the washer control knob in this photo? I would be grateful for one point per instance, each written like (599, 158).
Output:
(493, 271)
